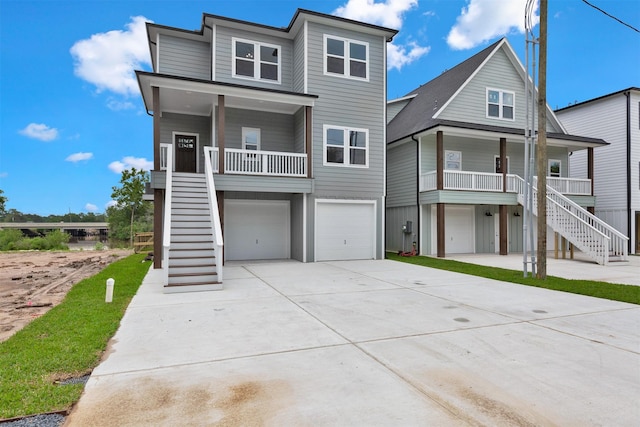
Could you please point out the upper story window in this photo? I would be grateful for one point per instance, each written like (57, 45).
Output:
(256, 61)
(347, 58)
(500, 104)
(345, 146)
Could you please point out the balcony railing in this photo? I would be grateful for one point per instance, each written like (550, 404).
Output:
(492, 182)
(252, 162)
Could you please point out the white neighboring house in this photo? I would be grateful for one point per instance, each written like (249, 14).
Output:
(616, 119)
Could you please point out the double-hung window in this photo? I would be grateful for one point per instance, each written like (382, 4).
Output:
(345, 146)
(500, 104)
(256, 61)
(347, 58)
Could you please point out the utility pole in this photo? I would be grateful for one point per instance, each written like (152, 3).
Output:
(541, 149)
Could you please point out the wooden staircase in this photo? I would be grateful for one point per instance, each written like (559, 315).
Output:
(192, 257)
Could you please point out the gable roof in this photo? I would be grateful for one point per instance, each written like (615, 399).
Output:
(431, 96)
(599, 98)
(422, 112)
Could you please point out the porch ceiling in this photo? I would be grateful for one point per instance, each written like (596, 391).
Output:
(199, 97)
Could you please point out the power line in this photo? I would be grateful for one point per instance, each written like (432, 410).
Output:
(611, 16)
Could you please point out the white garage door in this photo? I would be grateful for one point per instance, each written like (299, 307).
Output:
(345, 231)
(459, 229)
(256, 229)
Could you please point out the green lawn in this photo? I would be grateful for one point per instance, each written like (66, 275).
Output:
(612, 291)
(68, 341)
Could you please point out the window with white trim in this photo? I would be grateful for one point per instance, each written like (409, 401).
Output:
(453, 160)
(555, 168)
(250, 139)
(344, 146)
(500, 104)
(347, 58)
(256, 61)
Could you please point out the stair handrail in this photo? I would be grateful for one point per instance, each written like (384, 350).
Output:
(214, 212)
(600, 256)
(618, 242)
(166, 227)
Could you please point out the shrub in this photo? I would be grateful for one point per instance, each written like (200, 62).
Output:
(57, 239)
(8, 239)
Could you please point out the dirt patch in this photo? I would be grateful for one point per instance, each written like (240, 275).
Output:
(31, 283)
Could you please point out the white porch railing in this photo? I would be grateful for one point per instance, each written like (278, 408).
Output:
(482, 181)
(251, 162)
(218, 243)
(569, 185)
(166, 160)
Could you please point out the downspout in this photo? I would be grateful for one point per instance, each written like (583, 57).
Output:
(628, 95)
(419, 225)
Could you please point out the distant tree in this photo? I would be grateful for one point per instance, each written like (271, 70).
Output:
(3, 201)
(128, 197)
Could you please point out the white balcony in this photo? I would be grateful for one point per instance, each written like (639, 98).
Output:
(492, 182)
(268, 163)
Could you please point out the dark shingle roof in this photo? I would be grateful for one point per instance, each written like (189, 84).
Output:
(417, 115)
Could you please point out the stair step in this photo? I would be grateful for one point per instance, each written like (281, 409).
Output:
(192, 245)
(192, 261)
(186, 278)
(176, 254)
(190, 224)
(191, 238)
(191, 230)
(190, 270)
(189, 200)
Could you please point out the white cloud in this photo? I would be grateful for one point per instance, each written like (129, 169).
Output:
(4, 174)
(390, 14)
(482, 20)
(110, 203)
(117, 105)
(90, 207)
(399, 56)
(39, 131)
(387, 13)
(129, 162)
(78, 157)
(108, 60)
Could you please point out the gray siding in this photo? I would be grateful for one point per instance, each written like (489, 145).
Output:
(470, 104)
(297, 227)
(485, 229)
(185, 58)
(224, 52)
(298, 62)
(396, 217)
(349, 103)
(276, 130)
(394, 108)
(173, 122)
(299, 131)
(402, 169)
(479, 155)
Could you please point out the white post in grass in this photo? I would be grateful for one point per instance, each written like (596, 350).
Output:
(109, 296)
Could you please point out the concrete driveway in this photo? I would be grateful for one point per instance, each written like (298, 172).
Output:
(364, 343)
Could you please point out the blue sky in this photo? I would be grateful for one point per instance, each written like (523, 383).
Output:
(71, 117)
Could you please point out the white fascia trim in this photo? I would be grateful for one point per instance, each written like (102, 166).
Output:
(404, 98)
(471, 77)
(240, 92)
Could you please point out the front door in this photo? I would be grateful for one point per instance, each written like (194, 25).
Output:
(186, 146)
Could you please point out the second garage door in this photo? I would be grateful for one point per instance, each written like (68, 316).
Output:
(345, 231)
(256, 229)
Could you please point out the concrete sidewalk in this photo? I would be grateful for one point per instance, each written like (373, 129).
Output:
(581, 267)
(365, 343)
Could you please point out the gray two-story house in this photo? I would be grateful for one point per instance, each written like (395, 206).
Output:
(456, 161)
(269, 143)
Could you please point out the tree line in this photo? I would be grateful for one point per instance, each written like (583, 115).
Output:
(129, 215)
